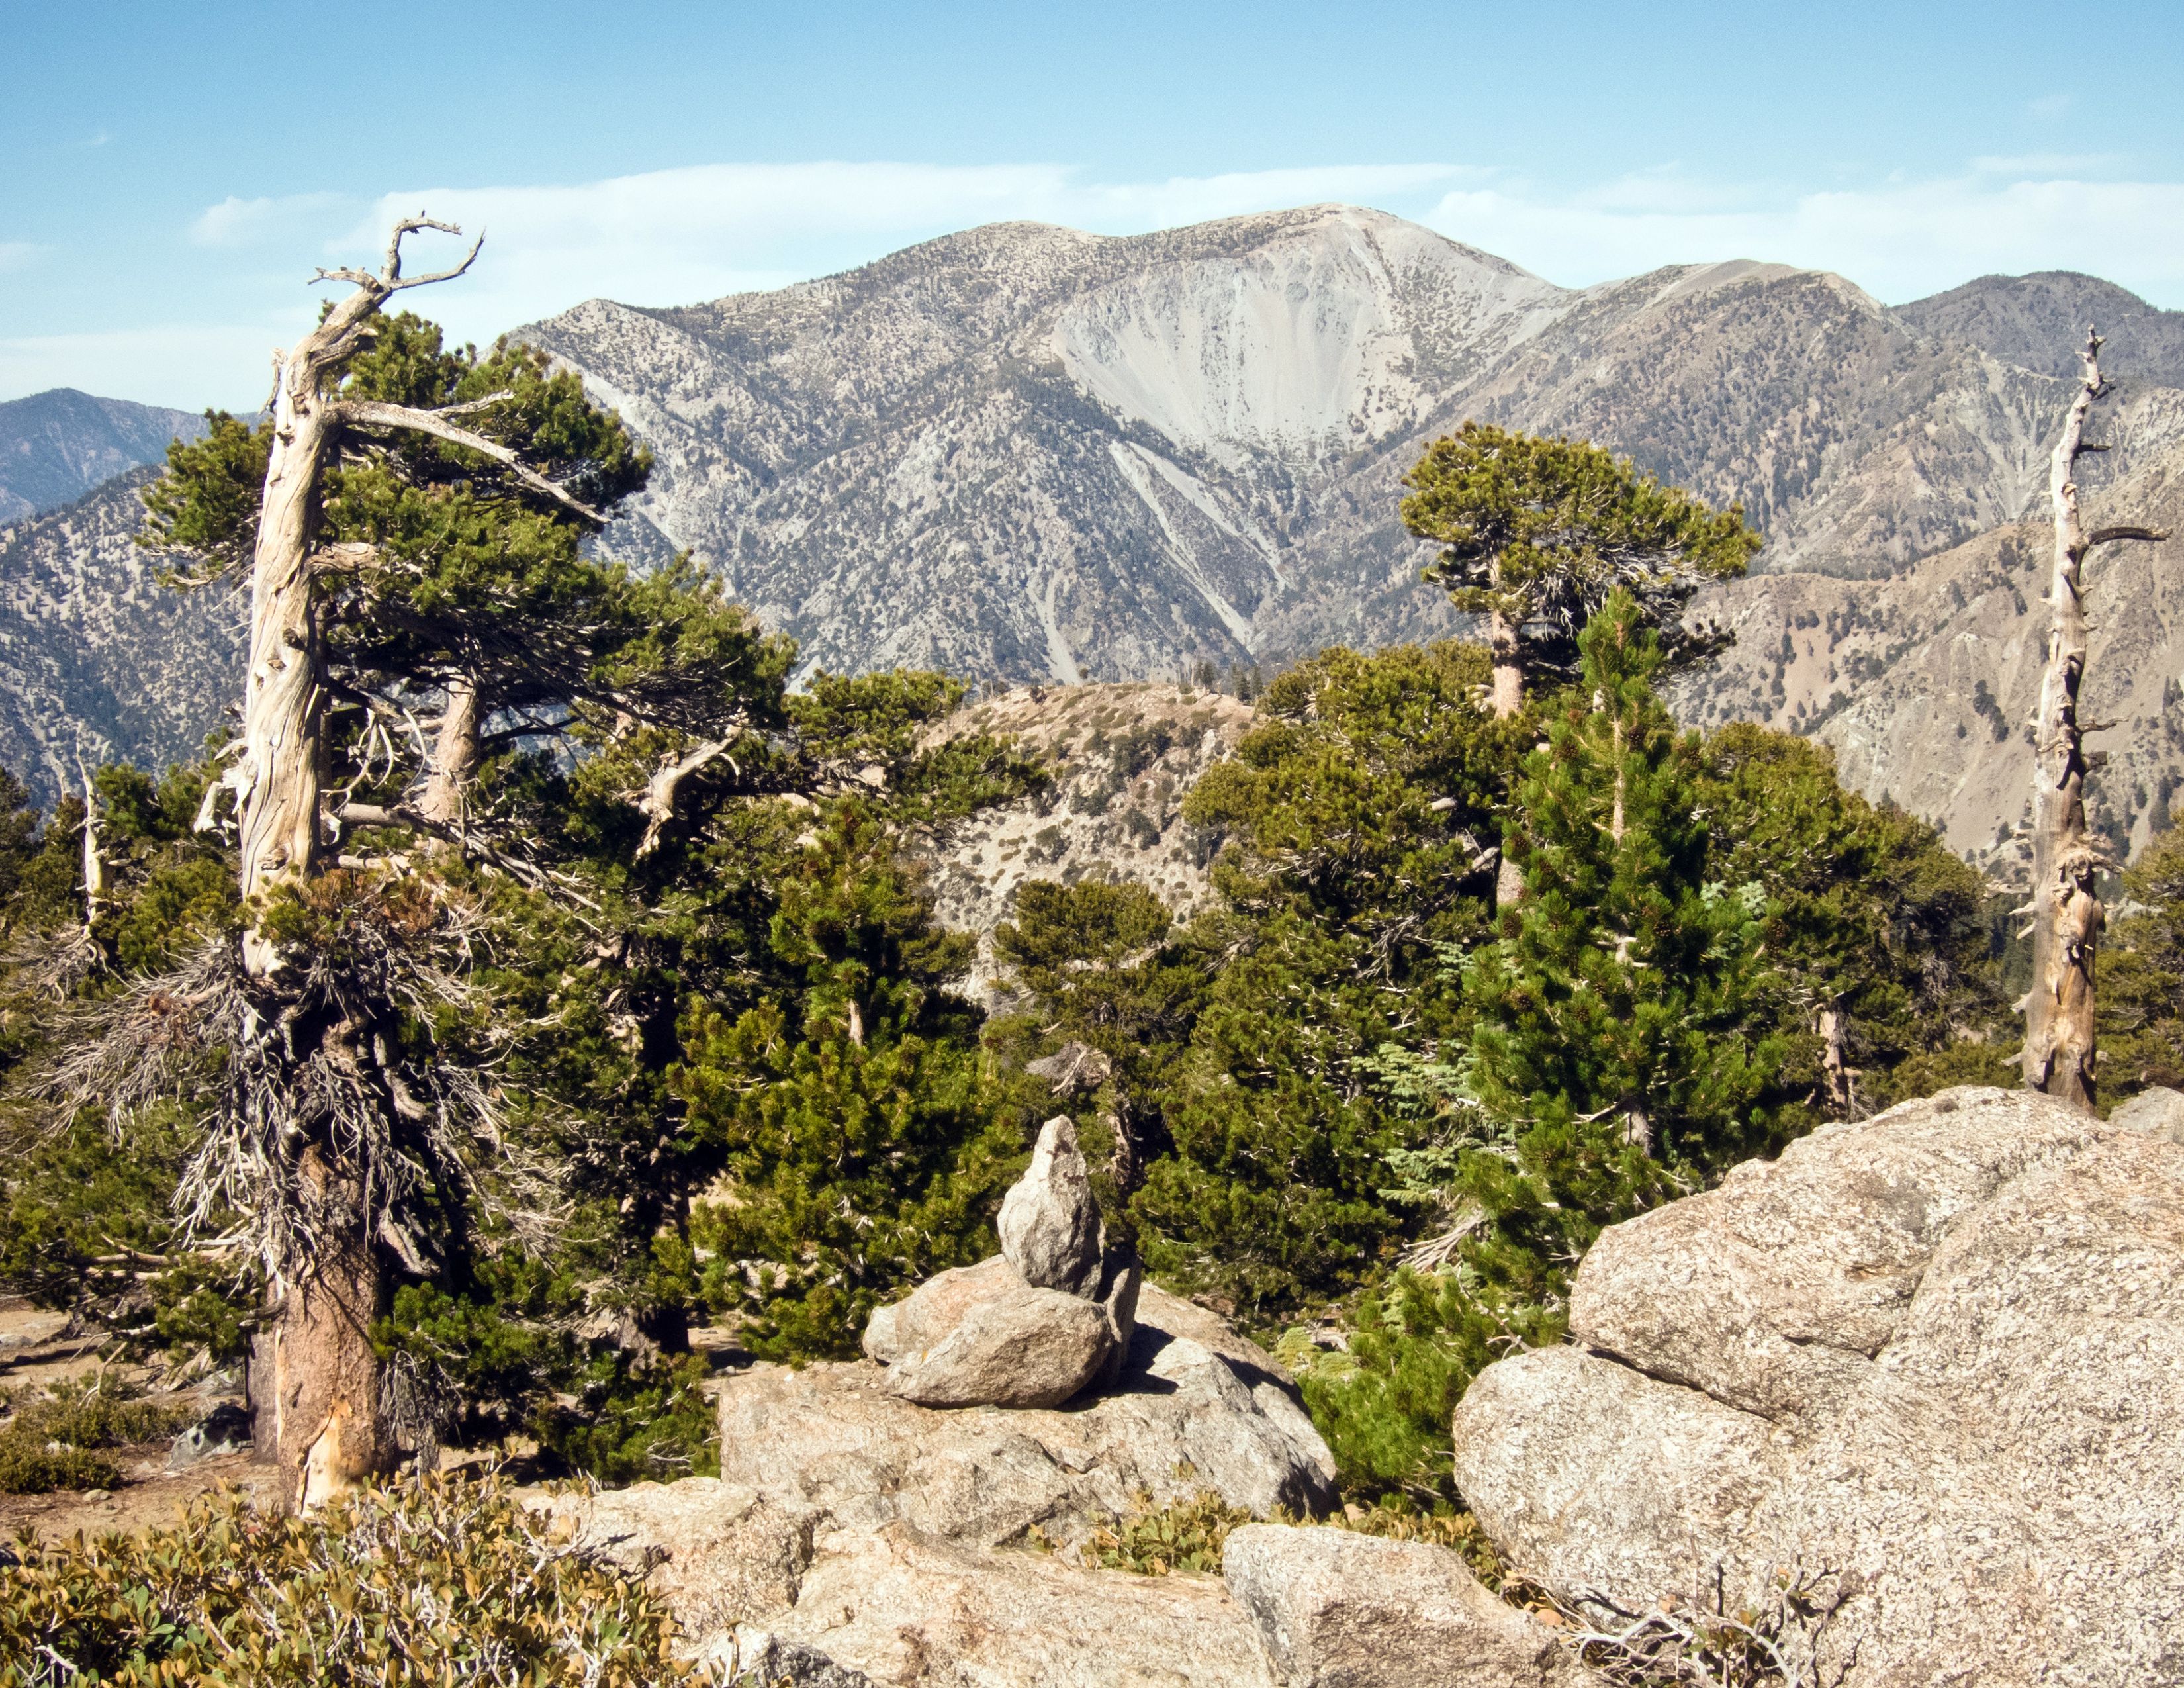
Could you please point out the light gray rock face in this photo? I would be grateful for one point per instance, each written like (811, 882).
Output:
(2158, 1112)
(925, 1317)
(1195, 1408)
(767, 1588)
(1938, 1354)
(1021, 1347)
(901, 1608)
(1335, 1609)
(1049, 1224)
(718, 1553)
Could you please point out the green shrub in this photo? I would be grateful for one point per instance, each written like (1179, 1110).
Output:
(28, 1466)
(1154, 1541)
(433, 1581)
(1189, 1535)
(50, 1442)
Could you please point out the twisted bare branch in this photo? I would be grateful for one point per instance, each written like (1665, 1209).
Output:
(366, 413)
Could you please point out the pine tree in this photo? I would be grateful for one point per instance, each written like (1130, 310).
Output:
(1354, 865)
(1614, 1005)
(411, 520)
(1535, 533)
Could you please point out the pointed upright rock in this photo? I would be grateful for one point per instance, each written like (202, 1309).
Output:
(1049, 1224)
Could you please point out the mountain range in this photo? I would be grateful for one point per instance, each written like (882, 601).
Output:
(1028, 454)
(57, 446)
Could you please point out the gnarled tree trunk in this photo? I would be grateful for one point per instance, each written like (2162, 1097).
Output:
(328, 1427)
(454, 757)
(327, 1422)
(2067, 916)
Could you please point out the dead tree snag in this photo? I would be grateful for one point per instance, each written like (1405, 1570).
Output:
(2059, 1051)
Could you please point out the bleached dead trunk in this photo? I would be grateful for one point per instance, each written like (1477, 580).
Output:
(454, 757)
(2059, 1049)
(283, 702)
(1506, 696)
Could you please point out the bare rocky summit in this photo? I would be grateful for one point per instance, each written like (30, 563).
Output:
(1931, 1361)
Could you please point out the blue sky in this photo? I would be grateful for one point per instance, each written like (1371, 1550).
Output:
(169, 175)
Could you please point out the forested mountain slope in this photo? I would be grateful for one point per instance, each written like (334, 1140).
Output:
(98, 661)
(57, 446)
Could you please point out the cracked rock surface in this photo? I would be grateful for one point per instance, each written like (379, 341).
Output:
(1938, 1354)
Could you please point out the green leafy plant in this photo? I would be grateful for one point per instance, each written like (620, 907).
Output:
(55, 1438)
(431, 1581)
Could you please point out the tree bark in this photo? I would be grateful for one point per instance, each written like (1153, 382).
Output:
(2060, 1052)
(328, 1430)
(1835, 1064)
(1506, 698)
(283, 704)
(454, 757)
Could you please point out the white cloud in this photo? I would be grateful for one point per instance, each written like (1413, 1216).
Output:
(243, 222)
(2049, 106)
(1899, 241)
(680, 236)
(187, 365)
(19, 254)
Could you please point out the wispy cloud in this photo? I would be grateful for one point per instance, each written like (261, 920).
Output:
(682, 236)
(19, 254)
(185, 365)
(245, 222)
(676, 237)
(1899, 240)
(2049, 107)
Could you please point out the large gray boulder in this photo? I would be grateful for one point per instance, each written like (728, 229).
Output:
(1195, 1408)
(2155, 1112)
(1936, 1358)
(901, 1607)
(1335, 1609)
(924, 1318)
(1049, 1224)
(1015, 1348)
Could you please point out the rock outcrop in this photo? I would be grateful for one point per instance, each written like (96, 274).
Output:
(2158, 1112)
(1049, 1224)
(1195, 1408)
(856, 1537)
(1937, 1357)
(899, 1607)
(1047, 1318)
(1335, 1609)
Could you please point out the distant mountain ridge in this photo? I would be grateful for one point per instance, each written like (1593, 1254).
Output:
(1025, 454)
(57, 445)
(98, 661)
(1029, 454)
(2039, 322)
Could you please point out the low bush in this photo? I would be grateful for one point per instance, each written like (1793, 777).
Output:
(52, 1442)
(436, 1580)
(1189, 1535)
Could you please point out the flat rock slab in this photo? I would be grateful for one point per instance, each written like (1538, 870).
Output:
(1335, 1609)
(902, 1608)
(1197, 1409)
(758, 1586)
(1937, 1355)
